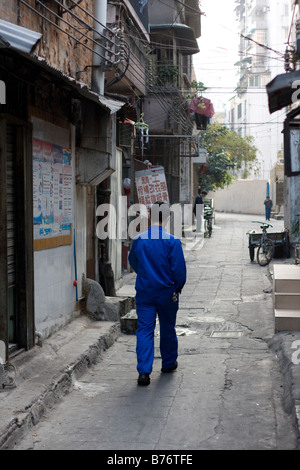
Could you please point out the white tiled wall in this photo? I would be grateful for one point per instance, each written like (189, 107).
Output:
(55, 294)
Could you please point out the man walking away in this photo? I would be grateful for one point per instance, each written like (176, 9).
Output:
(157, 258)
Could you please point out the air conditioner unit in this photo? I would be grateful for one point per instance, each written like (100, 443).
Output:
(201, 157)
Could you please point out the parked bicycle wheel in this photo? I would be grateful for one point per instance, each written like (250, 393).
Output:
(251, 252)
(209, 227)
(265, 252)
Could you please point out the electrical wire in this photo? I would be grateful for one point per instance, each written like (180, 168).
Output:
(62, 30)
(162, 102)
(71, 7)
(138, 74)
(76, 4)
(81, 21)
(147, 72)
(262, 45)
(292, 22)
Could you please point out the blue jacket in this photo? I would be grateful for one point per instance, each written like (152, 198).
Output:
(157, 258)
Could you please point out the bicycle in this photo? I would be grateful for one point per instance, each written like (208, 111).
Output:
(265, 249)
(208, 218)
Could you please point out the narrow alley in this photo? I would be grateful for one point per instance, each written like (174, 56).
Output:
(227, 393)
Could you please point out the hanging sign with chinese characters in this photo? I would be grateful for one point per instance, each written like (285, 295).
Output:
(151, 186)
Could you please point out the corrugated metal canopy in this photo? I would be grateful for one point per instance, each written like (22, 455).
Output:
(80, 88)
(17, 37)
(22, 41)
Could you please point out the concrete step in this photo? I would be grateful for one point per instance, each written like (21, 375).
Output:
(286, 278)
(287, 319)
(129, 322)
(286, 301)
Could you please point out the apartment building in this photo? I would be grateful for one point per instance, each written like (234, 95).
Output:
(264, 31)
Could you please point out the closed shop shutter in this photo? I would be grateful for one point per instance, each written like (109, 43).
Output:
(11, 204)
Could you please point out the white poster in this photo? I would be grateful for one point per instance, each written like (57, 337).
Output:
(151, 186)
(52, 190)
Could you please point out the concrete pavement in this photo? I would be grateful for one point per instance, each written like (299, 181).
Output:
(227, 393)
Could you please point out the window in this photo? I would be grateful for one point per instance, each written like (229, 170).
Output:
(261, 36)
(240, 110)
(254, 81)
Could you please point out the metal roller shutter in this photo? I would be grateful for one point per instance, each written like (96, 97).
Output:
(11, 204)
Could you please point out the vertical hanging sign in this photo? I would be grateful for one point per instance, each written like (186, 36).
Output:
(151, 186)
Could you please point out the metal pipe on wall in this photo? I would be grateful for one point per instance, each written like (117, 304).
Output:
(98, 65)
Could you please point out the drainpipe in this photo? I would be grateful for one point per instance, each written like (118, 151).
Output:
(98, 63)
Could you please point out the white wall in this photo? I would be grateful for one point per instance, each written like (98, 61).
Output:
(241, 197)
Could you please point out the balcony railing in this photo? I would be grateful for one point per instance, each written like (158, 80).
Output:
(163, 74)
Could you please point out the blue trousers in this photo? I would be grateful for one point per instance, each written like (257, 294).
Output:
(146, 310)
(268, 214)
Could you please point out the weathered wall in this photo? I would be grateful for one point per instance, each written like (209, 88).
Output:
(241, 197)
(61, 51)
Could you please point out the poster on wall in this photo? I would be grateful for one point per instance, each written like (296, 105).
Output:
(52, 195)
(151, 186)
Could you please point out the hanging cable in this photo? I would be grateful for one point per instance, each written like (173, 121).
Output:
(292, 22)
(62, 30)
(81, 21)
(261, 45)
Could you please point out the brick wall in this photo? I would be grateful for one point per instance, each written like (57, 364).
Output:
(60, 51)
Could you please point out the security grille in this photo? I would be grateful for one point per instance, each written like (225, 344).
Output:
(11, 205)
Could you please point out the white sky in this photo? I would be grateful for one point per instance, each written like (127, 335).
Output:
(214, 65)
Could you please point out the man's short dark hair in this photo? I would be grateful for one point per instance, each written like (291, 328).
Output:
(159, 212)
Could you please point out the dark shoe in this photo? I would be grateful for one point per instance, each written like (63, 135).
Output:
(144, 379)
(173, 367)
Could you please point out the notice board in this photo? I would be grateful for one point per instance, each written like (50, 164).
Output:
(52, 195)
(151, 186)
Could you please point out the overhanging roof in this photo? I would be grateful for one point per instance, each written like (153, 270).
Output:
(80, 88)
(17, 37)
(183, 34)
(22, 41)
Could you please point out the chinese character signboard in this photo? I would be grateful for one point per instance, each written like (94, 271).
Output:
(151, 186)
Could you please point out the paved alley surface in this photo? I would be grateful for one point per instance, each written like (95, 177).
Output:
(227, 393)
